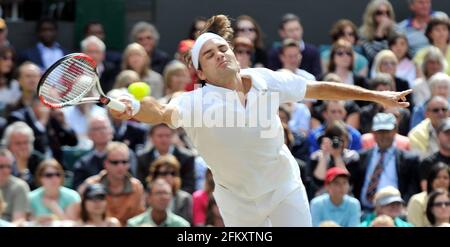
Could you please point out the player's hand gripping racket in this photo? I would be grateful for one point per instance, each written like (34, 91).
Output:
(68, 81)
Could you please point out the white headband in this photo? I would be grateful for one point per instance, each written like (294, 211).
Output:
(201, 40)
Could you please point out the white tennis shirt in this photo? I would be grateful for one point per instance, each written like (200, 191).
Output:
(244, 156)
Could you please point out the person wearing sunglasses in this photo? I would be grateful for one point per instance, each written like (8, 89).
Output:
(52, 201)
(93, 208)
(423, 137)
(438, 178)
(378, 26)
(125, 197)
(243, 49)
(438, 208)
(168, 168)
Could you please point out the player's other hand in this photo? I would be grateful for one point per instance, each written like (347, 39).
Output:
(393, 99)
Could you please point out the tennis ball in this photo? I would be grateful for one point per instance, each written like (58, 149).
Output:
(139, 90)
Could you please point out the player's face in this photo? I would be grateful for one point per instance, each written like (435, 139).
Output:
(217, 61)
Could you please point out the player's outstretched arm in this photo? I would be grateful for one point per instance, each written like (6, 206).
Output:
(340, 91)
(150, 111)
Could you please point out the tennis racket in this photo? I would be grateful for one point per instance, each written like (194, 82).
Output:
(69, 80)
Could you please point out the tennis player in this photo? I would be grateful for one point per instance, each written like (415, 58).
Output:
(257, 179)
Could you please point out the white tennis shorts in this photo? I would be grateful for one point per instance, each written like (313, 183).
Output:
(282, 207)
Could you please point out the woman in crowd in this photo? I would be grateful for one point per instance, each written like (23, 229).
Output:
(346, 29)
(406, 69)
(200, 200)
(378, 26)
(246, 26)
(176, 77)
(438, 208)
(9, 88)
(52, 201)
(439, 178)
(93, 208)
(135, 58)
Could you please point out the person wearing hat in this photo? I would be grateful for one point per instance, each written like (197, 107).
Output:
(384, 165)
(443, 155)
(387, 201)
(336, 205)
(93, 207)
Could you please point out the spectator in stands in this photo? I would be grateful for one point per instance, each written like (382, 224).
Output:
(19, 138)
(442, 155)
(291, 58)
(4, 34)
(94, 207)
(49, 126)
(332, 153)
(158, 214)
(386, 62)
(161, 137)
(243, 49)
(414, 26)
(388, 201)
(438, 34)
(423, 137)
(125, 78)
(341, 63)
(433, 63)
(378, 26)
(246, 26)
(197, 25)
(383, 82)
(14, 190)
(106, 70)
(168, 168)
(176, 77)
(200, 200)
(406, 69)
(336, 205)
(346, 29)
(28, 75)
(382, 221)
(438, 178)
(439, 86)
(47, 51)
(3, 223)
(136, 58)
(125, 198)
(438, 208)
(384, 165)
(52, 201)
(291, 27)
(334, 110)
(9, 88)
(147, 35)
(400, 141)
(184, 47)
(90, 164)
(96, 28)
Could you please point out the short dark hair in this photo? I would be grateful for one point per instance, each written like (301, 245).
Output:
(45, 20)
(288, 18)
(288, 43)
(433, 23)
(154, 127)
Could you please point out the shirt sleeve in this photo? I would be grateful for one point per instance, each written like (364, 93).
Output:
(184, 105)
(355, 215)
(291, 87)
(21, 201)
(315, 213)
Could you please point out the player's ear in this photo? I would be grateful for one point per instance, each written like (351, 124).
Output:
(201, 75)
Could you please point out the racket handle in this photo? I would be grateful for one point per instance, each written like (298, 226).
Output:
(120, 106)
(116, 105)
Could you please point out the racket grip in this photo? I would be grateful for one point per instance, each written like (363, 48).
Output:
(116, 105)
(121, 107)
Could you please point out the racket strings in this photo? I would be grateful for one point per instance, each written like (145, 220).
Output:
(68, 82)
